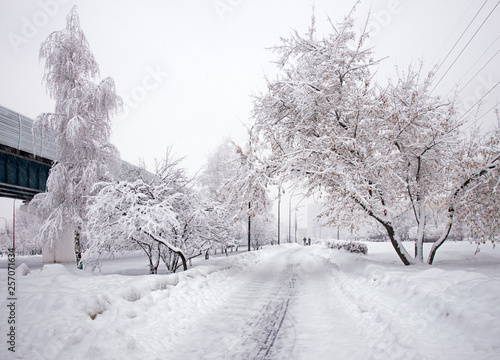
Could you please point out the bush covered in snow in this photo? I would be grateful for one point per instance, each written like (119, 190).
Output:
(349, 246)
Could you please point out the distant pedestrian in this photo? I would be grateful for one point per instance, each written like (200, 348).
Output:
(309, 241)
(305, 241)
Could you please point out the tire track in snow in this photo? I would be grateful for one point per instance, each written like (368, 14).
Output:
(284, 307)
(267, 325)
(249, 317)
(324, 329)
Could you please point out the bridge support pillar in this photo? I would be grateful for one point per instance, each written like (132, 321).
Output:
(63, 249)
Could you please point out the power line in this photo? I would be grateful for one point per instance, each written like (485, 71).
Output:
(485, 51)
(453, 63)
(477, 102)
(470, 23)
(473, 77)
(487, 112)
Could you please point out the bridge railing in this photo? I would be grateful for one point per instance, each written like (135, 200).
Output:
(16, 132)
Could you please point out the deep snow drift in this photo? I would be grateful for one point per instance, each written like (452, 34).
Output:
(286, 302)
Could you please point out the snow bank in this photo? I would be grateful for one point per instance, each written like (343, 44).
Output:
(423, 312)
(65, 313)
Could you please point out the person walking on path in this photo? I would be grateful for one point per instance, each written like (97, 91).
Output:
(305, 241)
(309, 241)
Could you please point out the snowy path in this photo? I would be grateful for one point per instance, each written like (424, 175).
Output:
(281, 308)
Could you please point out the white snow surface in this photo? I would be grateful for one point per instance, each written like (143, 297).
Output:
(282, 302)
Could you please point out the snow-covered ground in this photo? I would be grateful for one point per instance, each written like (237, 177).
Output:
(282, 302)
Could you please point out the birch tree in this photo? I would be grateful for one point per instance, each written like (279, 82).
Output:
(82, 125)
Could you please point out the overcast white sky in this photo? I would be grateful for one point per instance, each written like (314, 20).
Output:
(187, 69)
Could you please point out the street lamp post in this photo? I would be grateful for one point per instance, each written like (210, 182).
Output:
(296, 211)
(290, 219)
(249, 207)
(279, 214)
(14, 225)
(290, 216)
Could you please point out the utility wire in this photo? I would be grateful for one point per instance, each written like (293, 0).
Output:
(461, 117)
(485, 51)
(470, 23)
(487, 112)
(453, 63)
(473, 77)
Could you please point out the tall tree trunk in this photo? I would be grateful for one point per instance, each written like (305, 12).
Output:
(400, 250)
(419, 242)
(451, 210)
(157, 257)
(152, 268)
(442, 238)
(78, 248)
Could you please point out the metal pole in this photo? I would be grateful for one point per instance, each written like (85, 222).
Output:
(279, 214)
(249, 207)
(296, 210)
(290, 216)
(14, 225)
(290, 220)
(338, 228)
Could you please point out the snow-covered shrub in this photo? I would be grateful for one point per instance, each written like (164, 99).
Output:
(349, 246)
(23, 269)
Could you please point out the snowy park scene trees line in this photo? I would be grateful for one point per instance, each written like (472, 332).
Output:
(163, 215)
(175, 265)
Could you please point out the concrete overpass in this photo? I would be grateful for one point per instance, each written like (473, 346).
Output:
(25, 157)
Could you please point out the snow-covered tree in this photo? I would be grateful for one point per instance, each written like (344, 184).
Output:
(474, 202)
(81, 122)
(125, 216)
(440, 177)
(162, 214)
(263, 230)
(5, 239)
(220, 168)
(237, 182)
(27, 227)
(423, 135)
(201, 223)
(387, 151)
